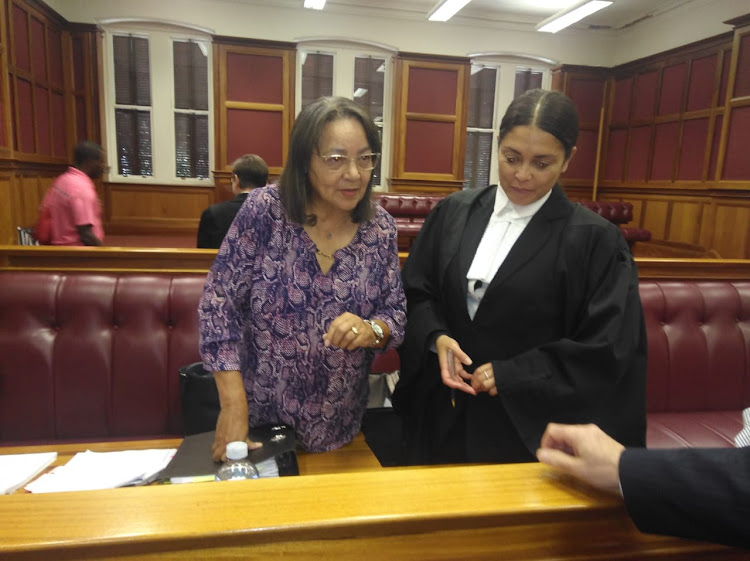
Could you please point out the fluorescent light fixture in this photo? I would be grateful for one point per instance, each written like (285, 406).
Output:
(315, 4)
(446, 9)
(570, 15)
(359, 92)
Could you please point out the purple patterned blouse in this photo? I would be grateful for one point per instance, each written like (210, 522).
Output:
(266, 305)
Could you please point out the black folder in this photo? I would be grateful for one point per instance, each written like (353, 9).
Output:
(193, 461)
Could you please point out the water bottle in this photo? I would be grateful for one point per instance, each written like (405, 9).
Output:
(237, 465)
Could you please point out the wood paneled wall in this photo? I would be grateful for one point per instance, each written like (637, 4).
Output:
(588, 88)
(253, 116)
(675, 141)
(668, 133)
(429, 130)
(137, 209)
(49, 99)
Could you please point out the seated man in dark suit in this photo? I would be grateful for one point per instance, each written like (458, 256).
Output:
(248, 171)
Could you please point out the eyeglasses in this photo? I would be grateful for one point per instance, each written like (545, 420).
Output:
(337, 162)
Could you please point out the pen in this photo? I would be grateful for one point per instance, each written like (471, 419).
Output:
(453, 376)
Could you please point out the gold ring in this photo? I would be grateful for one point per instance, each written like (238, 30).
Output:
(354, 329)
(486, 376)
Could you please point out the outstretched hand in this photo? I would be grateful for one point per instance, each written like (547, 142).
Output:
(452, 361)
(583, 451)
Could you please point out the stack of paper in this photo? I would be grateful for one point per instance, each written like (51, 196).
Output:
(103, 470)
(18, 469)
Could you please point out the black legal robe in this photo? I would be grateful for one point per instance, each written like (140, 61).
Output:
(561, 323)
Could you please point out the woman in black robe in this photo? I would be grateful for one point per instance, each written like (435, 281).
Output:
(523, 308)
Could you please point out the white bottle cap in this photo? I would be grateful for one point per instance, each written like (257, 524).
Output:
(237, 450)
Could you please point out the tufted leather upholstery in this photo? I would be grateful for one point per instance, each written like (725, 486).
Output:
(96, 355)
(410, 211)
(619, 212)
(699, 360)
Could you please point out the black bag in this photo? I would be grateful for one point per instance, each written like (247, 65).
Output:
(200, 399)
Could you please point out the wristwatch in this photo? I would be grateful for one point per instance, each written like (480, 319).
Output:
(376, 329)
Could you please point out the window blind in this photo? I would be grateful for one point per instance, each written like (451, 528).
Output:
(132, 72)
(191, 96)
(133, 142)
(317, 77)
(478, 157)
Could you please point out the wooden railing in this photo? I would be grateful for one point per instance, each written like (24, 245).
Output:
(111, 259)
(171, 260)
(515, 511)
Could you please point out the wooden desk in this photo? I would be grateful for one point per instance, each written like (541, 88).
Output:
(355, 456)
(363, 512)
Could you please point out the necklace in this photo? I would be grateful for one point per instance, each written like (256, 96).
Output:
(317, 251)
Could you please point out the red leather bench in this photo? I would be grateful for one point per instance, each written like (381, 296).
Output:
(410, 211)
(698, 361)
(619, 212)
(93, 356)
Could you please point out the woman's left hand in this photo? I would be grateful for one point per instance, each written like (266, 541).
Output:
(349, 332)
(483, 379)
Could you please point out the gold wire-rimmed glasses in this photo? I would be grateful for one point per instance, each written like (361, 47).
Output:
(338, 162)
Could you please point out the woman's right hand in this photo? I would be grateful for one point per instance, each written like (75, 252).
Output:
(232, 424)
(452, 361)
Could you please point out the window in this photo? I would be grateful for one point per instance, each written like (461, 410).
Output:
(191, 109)
(364, 77)
(489, 96)
(159, 121)
(132, 105)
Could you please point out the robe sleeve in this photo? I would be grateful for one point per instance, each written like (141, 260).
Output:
(569, 380)
(421, 274)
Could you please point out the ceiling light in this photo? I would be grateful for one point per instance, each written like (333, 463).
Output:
(570, 15)
(315, 4)
(446, 9)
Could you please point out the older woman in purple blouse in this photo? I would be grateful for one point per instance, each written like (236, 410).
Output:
(305, 288)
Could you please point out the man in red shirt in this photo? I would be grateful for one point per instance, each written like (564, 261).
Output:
(74, 208)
